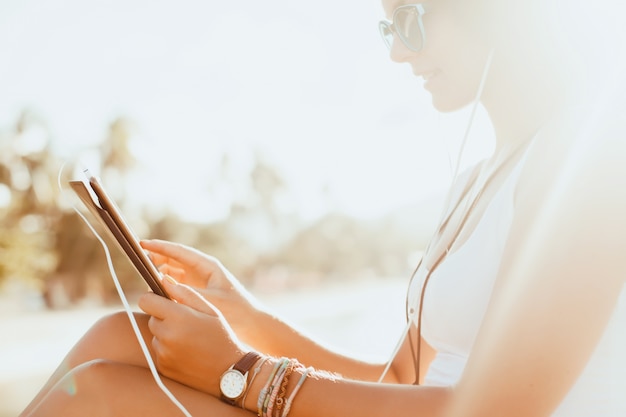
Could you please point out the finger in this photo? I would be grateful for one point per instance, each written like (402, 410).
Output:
(159, 260)
(177, 273)
(184, 254)
(155, 326)
(189, 297)
(156, 348)
(155, 305)
(216, 296)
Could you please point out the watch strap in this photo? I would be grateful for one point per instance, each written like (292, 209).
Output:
(244, 364)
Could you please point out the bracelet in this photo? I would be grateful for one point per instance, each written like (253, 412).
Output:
(271, 397)
(263, 395)
(278, 402)
(273, 400)
(256, 371)
(295, 391)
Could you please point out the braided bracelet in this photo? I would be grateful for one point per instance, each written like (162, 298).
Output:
(283, 388)
(295, 391)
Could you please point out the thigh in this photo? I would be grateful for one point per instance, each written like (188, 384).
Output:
(106, 388)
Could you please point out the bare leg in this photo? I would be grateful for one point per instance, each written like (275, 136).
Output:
(105, 388)
(111, 338)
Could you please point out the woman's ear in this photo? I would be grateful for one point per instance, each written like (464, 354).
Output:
(487, 20)
(520, 30)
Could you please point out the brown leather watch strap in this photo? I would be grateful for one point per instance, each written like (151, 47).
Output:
(244, 364)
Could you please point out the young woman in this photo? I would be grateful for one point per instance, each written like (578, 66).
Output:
(513, 310)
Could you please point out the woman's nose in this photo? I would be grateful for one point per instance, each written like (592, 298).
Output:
(399, 52)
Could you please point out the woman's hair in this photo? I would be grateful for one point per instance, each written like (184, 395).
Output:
(534, 35)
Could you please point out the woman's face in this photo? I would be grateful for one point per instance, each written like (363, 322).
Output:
(453, 57)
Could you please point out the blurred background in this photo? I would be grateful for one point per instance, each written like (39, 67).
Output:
(277, 136)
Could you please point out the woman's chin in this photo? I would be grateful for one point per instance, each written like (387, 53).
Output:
(448, 104)
(448, 99)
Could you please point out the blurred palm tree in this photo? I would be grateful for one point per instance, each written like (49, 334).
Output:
(27, 215)
(115, 149)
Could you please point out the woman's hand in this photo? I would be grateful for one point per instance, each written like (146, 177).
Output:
(188, 265)
(209, 277)
(192, 343)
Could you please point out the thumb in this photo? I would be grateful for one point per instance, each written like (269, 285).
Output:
(186, 295)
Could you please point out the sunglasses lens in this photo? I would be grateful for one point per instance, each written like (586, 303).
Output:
(408, 24)
(386, 33)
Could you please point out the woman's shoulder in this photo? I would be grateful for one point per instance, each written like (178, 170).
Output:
(584, 154)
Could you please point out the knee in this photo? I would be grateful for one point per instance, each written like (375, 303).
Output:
(112, 338)
(114, 331)
(117, 323)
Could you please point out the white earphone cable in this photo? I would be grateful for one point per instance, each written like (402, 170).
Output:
(479, 94)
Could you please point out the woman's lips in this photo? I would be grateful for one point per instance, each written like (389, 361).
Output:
(429, 75)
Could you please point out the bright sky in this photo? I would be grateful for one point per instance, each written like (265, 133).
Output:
(308, 83)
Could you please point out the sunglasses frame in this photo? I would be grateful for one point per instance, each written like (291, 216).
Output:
(386, 26)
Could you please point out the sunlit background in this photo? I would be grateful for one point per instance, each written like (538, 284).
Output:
(276, 135)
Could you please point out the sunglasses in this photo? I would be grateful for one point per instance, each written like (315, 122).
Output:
(407, 24)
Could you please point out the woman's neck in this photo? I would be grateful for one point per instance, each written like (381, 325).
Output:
(521, 102)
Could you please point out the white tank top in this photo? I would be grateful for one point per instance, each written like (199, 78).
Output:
(456, 300)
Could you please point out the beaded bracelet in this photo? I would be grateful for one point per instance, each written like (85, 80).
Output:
(265, 389)
(295, 391)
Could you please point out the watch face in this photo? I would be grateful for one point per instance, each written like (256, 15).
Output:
(232, 384)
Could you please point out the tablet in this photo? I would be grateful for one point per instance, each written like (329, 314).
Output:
(92, 194)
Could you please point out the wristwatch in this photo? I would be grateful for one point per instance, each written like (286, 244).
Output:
(234, 381)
